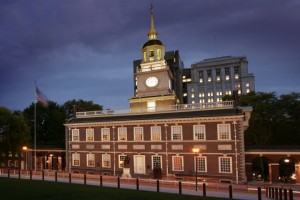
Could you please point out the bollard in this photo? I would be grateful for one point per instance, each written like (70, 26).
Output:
(30, 174)
(259, 193)
(230, 191)
(180, 188)
(270, 192)
(285, 194)
(276, 193)
(157, 186)
(137, 184)
(273, 192)
(43, 175)
(204, 189)
(280, 193)
(8, 173)
(291, 196)
(56, 176)
(70, 178)
(118, 182)
(19, 174)
(84, 179)
(101, 181)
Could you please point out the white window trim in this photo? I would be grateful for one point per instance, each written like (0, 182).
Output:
(125, 132)
(230, 158)
(205, 158)
(182, 158)
(229, 131)
(75, 132)
(136, 132)
(89, 131)
(73, 159)
(172, 133)
(108, 156)
(87, 160)
(105, 131)
(120, 163)
(194, 132)
(152, 133)
(161, 164)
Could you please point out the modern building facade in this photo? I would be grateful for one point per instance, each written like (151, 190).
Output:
(159, 132)
(212, 79)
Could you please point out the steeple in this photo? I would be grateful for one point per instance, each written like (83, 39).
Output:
(152, 32)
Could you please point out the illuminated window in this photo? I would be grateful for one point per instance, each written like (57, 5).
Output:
(138, 133)
(199, 132)
(227, 74)
(236, 73)
(209, 79)
(224, 132)
(105, 134)
(75, 134)
(122, 133)
(158, 54)
(90, 134)
(193, 102)
(90, 160)
(247, 84)
(184, 94)
(121, 160)
(201, 80)
(225, 164)
(218, 74)
(247, 90)
(155, 133)
(239, 91)
(201, 94)
(228, 92)
(177, 163)
(218, 78)
(76, 159)
(236, 76)
(192, 95)
(176, 132)
(201, 163)
(106, 160)
(201, 101)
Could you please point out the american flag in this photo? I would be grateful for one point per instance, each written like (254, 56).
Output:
(40, 97)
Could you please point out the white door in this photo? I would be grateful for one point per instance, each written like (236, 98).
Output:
(139, 164)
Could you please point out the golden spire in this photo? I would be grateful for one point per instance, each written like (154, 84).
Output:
(152, 32)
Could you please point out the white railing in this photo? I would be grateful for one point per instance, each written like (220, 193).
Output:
(178, 107)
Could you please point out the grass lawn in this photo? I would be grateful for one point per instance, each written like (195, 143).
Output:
(14, 189)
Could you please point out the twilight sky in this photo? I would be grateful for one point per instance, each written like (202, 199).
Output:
(83, 49)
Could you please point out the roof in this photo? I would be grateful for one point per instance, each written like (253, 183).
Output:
(152, 42)
(157, 115)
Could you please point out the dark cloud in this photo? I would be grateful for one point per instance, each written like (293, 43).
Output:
(84, 49)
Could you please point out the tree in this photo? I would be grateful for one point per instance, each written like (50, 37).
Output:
(14, 133)
(73, 106)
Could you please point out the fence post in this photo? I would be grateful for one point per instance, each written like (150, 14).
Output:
(84, 177)
(8, 173)
(19, 174)
(204, 189)
(118, 182)
(43, 175)
(157, 186)
(30, 174)
(230, 191)
(291, 194)
(180, 188)
(137, 184)
(259, 193)
(276, 193)
(70, 178)
(55, 176)
(285, 194)
(270, 192)
(280, 193)
(101, 183)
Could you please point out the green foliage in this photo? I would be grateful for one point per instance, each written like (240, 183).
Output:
(14, 133)
(80, 105)
(274, 121)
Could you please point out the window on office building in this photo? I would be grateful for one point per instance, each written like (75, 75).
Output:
(90, 160)
(177, 163)
(224, 132)
(199, 132)
(155, 133)
(106, 162)
(138, 133)
(218, 74)
(201, 76)
(225, 164)
(105, 134)
(209, 75)
(176, 132)
(227, 74)
(236, 73)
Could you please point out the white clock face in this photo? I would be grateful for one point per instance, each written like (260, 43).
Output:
(151, 81)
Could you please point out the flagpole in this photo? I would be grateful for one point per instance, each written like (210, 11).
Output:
(35, 127)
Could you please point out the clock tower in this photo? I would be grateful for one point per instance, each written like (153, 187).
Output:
(153, 77)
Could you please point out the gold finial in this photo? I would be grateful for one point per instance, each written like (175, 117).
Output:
(152, 32)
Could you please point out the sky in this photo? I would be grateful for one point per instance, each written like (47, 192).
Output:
(84, 49)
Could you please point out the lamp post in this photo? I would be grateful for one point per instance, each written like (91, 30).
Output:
(167, 161)
(114, 147)
(24, 148)
(196, 151)
(236, 153)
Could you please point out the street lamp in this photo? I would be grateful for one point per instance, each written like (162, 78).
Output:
(24, 148)
(196, 151)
